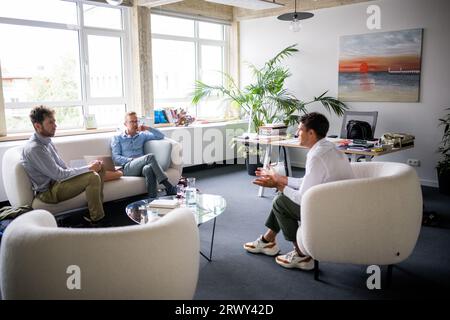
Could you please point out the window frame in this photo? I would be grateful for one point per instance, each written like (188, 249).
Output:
(83, 32)
(198, 42)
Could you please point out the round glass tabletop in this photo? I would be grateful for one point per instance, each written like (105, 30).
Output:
(207, 207)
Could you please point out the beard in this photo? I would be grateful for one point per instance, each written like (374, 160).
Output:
(47, 133)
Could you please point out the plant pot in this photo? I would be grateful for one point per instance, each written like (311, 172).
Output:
(444, 182)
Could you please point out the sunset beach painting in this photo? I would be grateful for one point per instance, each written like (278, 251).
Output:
(382, 66)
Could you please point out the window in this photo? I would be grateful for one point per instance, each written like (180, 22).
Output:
(70, 55)
(185, 50)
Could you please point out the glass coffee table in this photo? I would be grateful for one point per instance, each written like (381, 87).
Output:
(207, 208)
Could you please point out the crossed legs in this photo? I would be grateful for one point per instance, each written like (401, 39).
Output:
(284, 216)
(147, 166)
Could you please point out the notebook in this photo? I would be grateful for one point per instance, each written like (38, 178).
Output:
(107, 161)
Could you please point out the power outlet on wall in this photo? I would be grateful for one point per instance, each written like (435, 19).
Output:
(413, 162)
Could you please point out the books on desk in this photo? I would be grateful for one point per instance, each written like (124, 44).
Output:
(357, 148)
(270, 138)
(275, 129)
(360, 145)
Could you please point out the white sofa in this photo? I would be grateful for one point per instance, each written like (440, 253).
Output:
(158, 260)
(374, 219)
(18, 185)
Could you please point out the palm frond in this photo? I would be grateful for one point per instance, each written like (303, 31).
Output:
(331, 104)
(286, 52)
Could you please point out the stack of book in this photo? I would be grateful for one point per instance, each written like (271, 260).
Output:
(171, 115)
(275, 129)
(265, 138)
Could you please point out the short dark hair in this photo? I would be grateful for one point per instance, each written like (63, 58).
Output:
(39, 113)
(317, 122)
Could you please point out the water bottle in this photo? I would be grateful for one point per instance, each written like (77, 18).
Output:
(191, 192)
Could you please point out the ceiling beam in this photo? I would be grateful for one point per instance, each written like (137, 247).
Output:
(302, 5)
(199, 8)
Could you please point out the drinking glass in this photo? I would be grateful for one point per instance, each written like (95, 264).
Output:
(190, 182)
(191, 192)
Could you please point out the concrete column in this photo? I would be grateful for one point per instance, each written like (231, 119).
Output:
(2, 108)
(234, 51)
(142, 61)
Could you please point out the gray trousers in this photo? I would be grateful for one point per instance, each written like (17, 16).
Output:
(146, 166)
(285, 215)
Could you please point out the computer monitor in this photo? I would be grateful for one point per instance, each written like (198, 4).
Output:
(368, 116)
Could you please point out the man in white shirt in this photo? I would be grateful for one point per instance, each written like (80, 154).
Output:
(324, 163)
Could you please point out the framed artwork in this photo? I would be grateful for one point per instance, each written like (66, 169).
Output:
(382, 66)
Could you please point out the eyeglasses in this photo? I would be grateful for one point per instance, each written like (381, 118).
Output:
(133, 121)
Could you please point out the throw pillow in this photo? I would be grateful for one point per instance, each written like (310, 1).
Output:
(162, 149)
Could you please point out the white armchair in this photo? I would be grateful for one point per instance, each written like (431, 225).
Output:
(374, 219)
(158, 260)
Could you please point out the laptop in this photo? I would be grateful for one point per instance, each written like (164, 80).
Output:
(107, 161)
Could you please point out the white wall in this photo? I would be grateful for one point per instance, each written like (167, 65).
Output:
(315, 68)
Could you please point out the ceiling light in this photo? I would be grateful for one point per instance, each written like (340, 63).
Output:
(295, 18)
(250, 4)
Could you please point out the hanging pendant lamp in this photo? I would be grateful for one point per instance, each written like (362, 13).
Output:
(295, 18)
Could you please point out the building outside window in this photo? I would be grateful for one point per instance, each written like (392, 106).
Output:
(70, 55)
(185, 50)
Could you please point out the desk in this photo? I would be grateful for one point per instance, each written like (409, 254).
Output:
(286, 144)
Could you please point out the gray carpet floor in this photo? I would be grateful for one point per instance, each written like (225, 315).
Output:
(235, 274)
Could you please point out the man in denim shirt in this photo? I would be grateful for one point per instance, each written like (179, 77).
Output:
(52, 180)
(128, 152)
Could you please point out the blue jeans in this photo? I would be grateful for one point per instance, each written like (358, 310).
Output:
(146, 166)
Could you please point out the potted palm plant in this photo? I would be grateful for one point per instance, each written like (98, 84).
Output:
(443, 166)
(266, 100)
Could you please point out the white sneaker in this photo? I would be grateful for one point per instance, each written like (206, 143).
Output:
(259, 246)
(293, 260)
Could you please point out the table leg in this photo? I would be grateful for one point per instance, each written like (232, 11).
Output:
(287, 162)
(212, 244)
(266, 164)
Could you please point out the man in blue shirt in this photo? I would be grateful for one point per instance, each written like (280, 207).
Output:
(128, 152)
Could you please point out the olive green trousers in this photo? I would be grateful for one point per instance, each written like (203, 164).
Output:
(90, 182)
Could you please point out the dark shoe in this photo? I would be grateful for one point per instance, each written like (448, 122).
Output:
(102, 223)
(171, 191)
